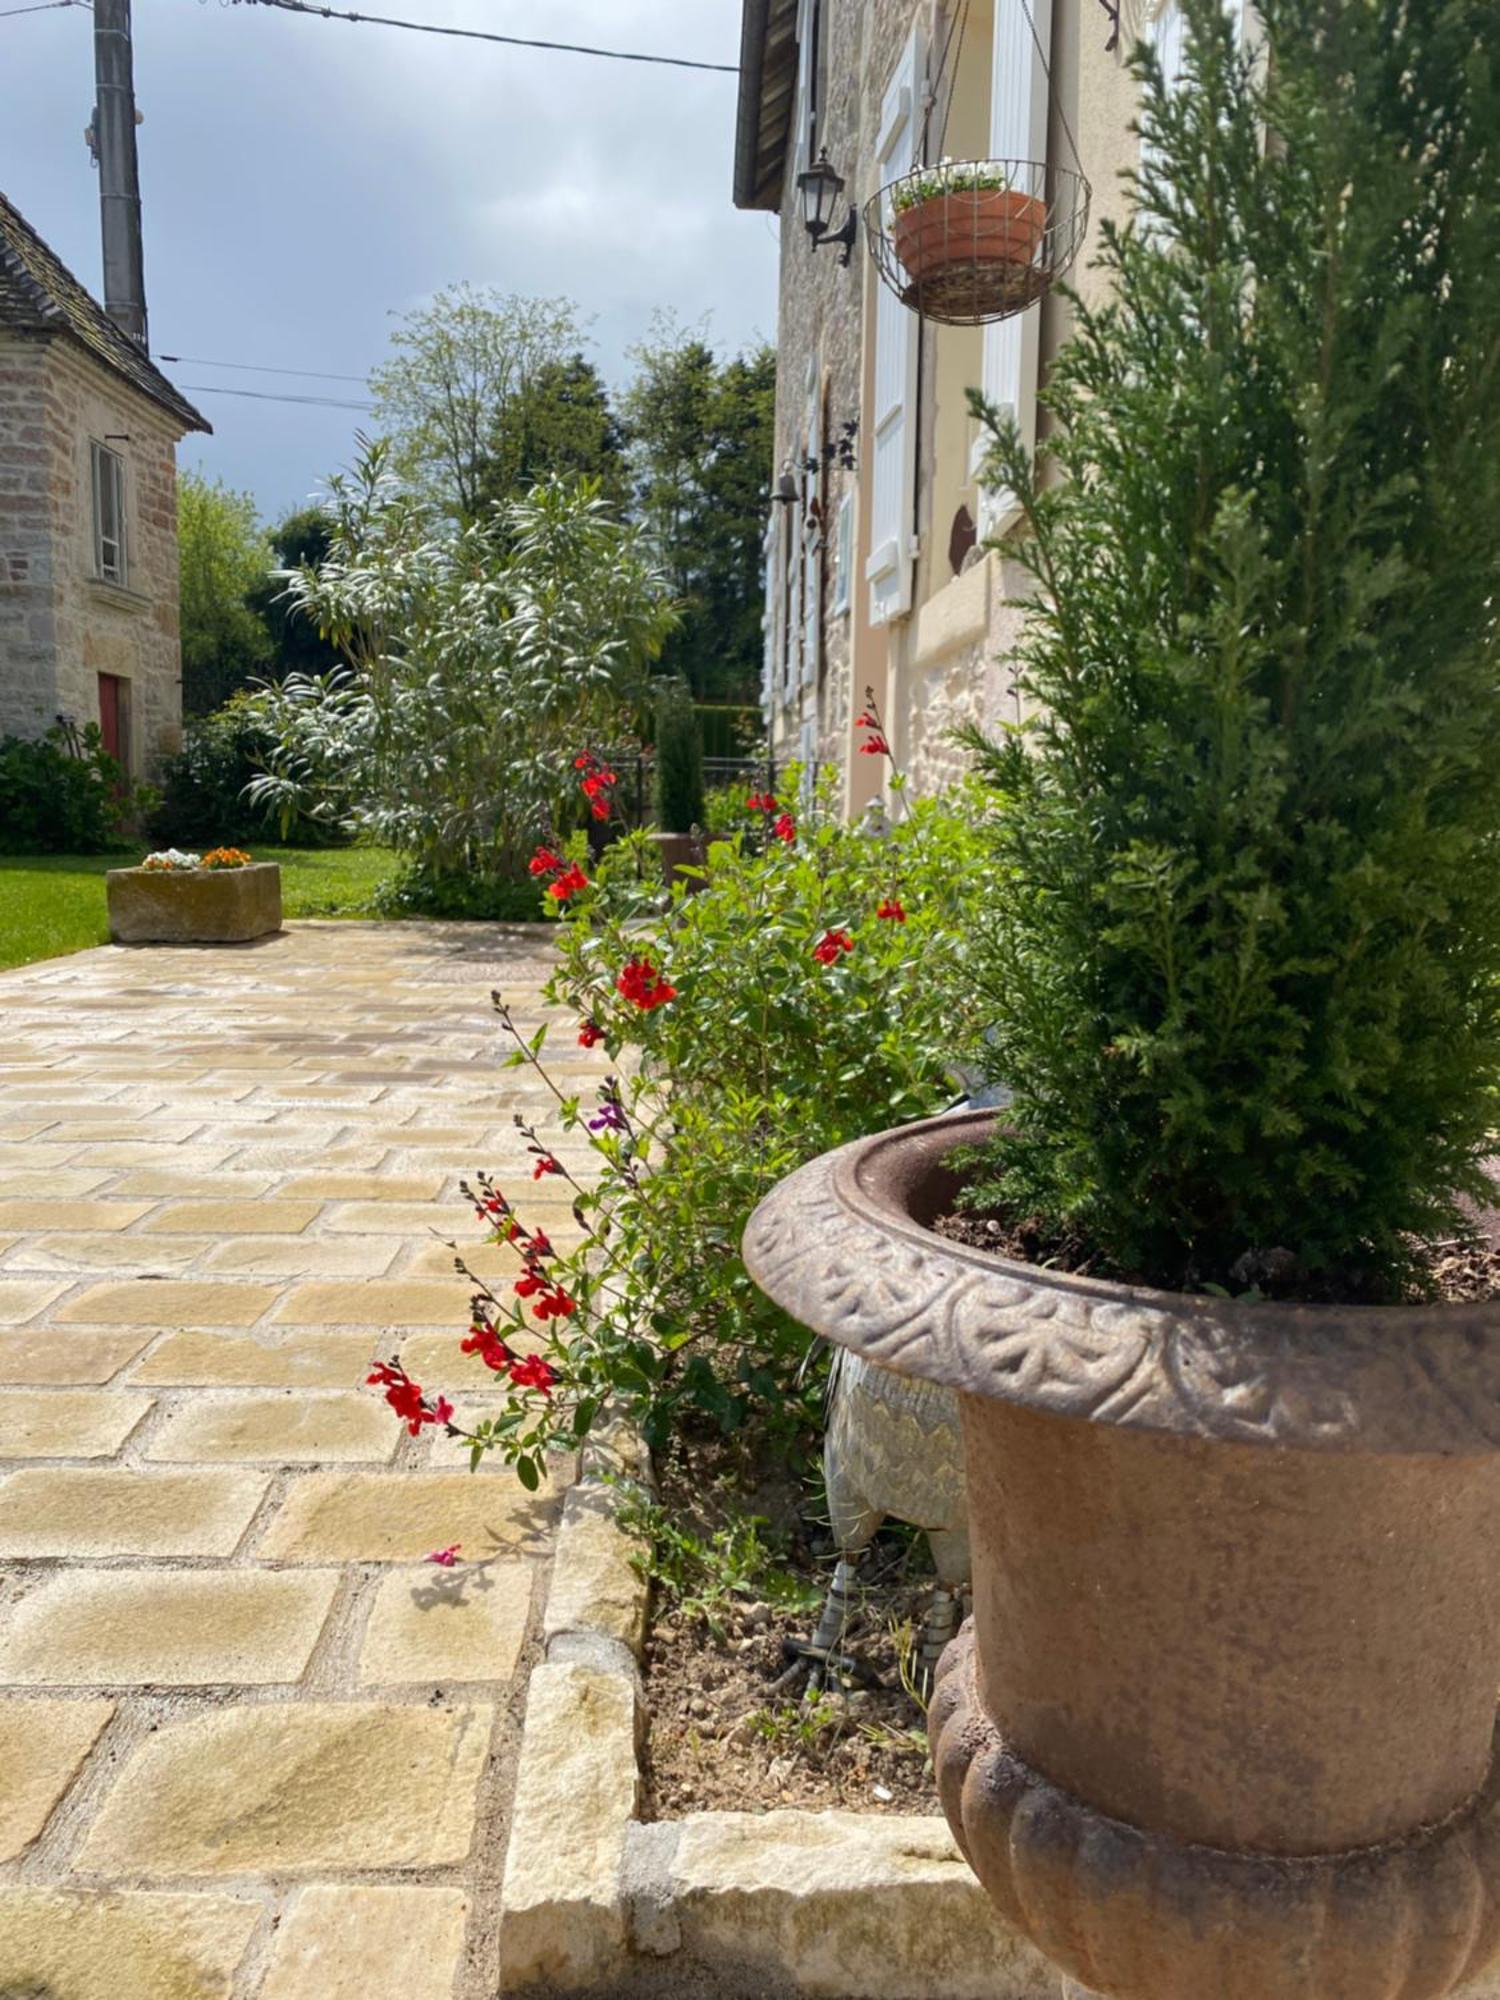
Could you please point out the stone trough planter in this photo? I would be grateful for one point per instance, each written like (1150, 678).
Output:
(193, 905)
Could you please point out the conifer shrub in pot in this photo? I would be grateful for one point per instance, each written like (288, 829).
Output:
(1222, 1724)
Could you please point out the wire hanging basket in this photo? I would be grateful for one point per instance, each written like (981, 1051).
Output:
(971, 241)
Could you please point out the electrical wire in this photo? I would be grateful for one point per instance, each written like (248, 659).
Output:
(257, 368)
(265, 396)
(483, 35)
(43, 7)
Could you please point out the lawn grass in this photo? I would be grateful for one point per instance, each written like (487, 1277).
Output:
(54, 903)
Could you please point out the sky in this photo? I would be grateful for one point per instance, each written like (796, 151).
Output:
(303, 179)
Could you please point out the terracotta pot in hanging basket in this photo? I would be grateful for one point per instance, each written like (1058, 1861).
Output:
(994, 226)
(1222, 1725)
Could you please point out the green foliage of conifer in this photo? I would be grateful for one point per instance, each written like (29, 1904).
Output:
(1244, 961)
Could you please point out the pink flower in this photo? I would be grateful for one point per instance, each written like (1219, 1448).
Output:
(445, 1558)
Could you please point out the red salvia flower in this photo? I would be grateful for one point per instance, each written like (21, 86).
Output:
(541, 1244)
(545, 862)
(405, 1397)
(785, 829)
(570, 884)
(892, 911)
(555, 1304)
(589, 1033)
(826, 951)
(643, 986)
(487, 1344)
(533, 1373)
(762, 802)
(546, 1165)
(875, 746)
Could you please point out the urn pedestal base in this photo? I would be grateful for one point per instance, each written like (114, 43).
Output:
(1148, 1917)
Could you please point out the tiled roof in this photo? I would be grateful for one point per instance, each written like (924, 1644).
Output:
(40, 294)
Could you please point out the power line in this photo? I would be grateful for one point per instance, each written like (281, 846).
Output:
(256, 367)
(265, 396)
(483, 35)
(42, 7)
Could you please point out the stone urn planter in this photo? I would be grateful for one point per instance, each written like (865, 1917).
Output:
(193, 905)
(1221, 1727)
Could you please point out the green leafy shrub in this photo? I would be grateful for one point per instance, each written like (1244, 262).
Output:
(61, 794)
(1244, 956)
(204, 789)
(808, 994)
(460, 895)
(476, 657)
(679, 763)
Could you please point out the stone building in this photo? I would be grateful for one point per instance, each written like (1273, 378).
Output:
(88, 513)
(878, 574)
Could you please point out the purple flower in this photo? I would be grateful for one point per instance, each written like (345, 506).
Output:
(610, 1117)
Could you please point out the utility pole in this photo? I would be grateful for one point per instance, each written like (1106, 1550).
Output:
(119, 175)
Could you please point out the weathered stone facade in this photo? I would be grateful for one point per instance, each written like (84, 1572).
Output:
(948, 660)
(61, 625)
(75, 644)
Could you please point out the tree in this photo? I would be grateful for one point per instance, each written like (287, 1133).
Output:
(559, 424)
(300, 540)
(455, 365)
(223, 557)
(702, 441)
(1244, 950)
(479, 661)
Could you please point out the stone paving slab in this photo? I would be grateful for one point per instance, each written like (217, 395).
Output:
(253, 1747)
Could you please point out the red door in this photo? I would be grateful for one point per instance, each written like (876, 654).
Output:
(109, 716)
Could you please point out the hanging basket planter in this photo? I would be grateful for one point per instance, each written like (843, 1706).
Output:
(972, 241)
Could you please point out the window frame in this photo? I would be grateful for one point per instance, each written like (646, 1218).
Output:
(107, 478)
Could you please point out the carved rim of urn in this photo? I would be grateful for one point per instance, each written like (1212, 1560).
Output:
(1223, 1722)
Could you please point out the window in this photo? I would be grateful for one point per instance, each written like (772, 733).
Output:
(843, 561)
(109, 514)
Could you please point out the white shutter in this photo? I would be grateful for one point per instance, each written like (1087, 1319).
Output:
(1018, 131)
(812, 541)
(792, 570)
(893, 476)
(807, 57)
(770, 618)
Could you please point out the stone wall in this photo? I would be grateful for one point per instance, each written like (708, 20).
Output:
(28, 610)
(61, 626)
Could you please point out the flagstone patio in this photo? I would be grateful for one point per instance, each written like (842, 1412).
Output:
(252, 1746)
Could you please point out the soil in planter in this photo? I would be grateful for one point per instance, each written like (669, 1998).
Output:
(1461, 1270)
(728, 1730)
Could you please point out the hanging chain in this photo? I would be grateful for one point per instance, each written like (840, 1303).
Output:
(958, 22)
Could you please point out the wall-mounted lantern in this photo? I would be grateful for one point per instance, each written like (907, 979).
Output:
(820, 187)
